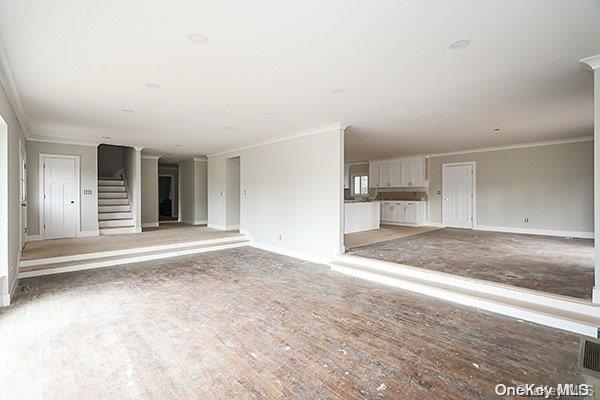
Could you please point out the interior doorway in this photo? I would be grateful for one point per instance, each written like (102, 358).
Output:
(232, 193)
(166, 201)
(458, 195)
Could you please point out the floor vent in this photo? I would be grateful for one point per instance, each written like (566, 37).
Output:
(26, 287)
(590, 355)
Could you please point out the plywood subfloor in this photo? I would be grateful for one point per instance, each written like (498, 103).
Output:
(557, 265)
(246, 324)
(168, 233)
(385, 232)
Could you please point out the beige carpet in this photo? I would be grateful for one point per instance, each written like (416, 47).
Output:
(165, 234)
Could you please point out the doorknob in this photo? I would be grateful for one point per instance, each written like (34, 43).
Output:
(72, 202)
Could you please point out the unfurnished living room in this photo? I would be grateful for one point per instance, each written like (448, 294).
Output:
(299, 200)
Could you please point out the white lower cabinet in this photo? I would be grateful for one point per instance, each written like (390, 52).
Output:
(403, 212)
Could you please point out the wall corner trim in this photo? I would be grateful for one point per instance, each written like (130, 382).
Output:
(281, 138)
(590, 63)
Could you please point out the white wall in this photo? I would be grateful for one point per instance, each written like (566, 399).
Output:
(133, 172)
(88, 165)
(149, 190)
(193, 191)
(293, 201)
(552, 185)
(232, 193)
(200, 191)
(10, 199)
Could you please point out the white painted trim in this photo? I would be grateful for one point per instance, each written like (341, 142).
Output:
(434, 224)
(129, 260)
(590, 63)
(150, 224)
(33, 238)
(293, 253)
(514, 146)
(533, 231)
(5, 300)
(12, 93)
(199, 222)
(473, 165)
(150, 156)
(125, 252)
(392, 159)
(59, 140)
(200, 159)
(95, 232)
(281, 138)
(41, 190)
(4, 199)
(215, 226)
(168, 222)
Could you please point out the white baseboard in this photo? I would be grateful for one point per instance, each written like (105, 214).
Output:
(150, 225)
(529, 231)
(6, 299)
(434, 224)
(193, 222)
(33, 238)
(293, 253)
(88, 233)
(215, 226)
(168, 222)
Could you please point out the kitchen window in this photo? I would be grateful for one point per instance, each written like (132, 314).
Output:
(360, 185)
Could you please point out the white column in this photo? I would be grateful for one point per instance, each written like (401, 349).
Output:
(593, 64)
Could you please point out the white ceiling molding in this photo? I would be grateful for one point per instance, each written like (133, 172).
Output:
(590, 63)
(151, 156)
(10, 88)
(73, 142)
(282, 138)
(514, 146)
(203, 159)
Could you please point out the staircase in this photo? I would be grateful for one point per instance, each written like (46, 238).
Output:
(114, 210)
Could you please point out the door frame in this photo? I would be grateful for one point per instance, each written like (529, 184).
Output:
(41, 188)
(23, 195)
(172, 193)
(445, 167)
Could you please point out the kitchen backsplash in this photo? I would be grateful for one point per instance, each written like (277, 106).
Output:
(401, 195)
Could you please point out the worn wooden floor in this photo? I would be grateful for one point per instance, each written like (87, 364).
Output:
(165, 234)
(384, 233)
(557, 265)
(246, 324)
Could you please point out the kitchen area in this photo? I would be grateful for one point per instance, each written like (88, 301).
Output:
(385, 199)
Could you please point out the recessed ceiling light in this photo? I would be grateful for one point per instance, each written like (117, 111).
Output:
(273, 113)
(337, 91)
(230, 127)
(198, 38)
(127, 110)
(153, 85)
(460, 44)
(106, 137)
(497, 130)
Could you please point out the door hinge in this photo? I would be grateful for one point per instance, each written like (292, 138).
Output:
(44, 226)
(25, 166)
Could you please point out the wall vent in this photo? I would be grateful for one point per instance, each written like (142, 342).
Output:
(590, 355)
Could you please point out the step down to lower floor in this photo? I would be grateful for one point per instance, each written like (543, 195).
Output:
(558, 311)
(117, 230)
(56, 265)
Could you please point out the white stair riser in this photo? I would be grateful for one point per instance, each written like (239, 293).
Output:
(113, 215)
(543, 299)
(112, 195)
(455, 297)
(111, 189)
(113, 202)
(115, 223)
(116, 231)
(114, 209)
(102, 182)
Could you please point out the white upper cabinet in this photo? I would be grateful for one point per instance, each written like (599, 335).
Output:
(396, 174)
(373, 174)
(413, 173)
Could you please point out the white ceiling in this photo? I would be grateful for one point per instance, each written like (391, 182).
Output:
(76, 64)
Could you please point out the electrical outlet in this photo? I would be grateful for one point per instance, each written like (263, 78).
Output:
(279, 237)
(526, 219)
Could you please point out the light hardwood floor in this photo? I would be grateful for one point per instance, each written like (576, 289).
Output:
(247, 324)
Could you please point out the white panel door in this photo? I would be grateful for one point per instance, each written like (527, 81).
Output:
(60, 197)
(457, 194)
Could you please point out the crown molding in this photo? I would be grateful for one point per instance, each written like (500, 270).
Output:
(10, 88)
(57, 140)
(590, 63)
(151, 156)
(514, 146)
(281, 138)
(202, 159)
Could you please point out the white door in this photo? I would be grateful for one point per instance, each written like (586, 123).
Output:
(61, 197)
(457, 195)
